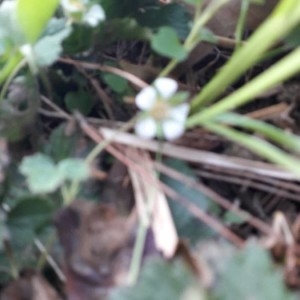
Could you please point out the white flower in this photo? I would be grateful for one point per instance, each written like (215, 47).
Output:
(161, 117)
(94, 15)
(81, 11)
(73, 6)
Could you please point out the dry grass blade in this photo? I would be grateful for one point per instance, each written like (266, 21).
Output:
(255, 222)
(131, 163)
(151, 201)
(198, 156)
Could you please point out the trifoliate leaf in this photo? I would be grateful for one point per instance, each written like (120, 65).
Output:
(166, 43)
(74, 169)
(33, 15)
(41, 174)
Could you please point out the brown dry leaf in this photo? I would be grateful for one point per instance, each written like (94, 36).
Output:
(31, 286)
(147, 189)
(98, 245)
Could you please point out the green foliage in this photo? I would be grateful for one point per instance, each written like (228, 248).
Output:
(166, 43)
(80, 39)
(61, 145)
(43, 176)
(159, 280)
(116, 83)
(187, 225)
(250, 274)
(49, 47)
(172, 15)
(79, 100)
(172, 33)
(33, 16)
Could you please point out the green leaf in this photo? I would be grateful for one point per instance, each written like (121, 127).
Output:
(293, 39)
(159, 280)
(10, 31)
(79, 100)
(74, 169)
(41, 174)
(26, 217)
(166, 43)
(33, 16)
(231, 218)
(116, 83)
(260, 280)
(80, 39)
(173, 15)
(60, 144)
(186, 224)
(48, 48)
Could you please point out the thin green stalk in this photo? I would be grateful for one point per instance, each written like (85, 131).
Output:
(241, 22)
(282, 70)
(273, 29)
(287, 140)
(194, 37)
(137, 253)
(65, 195)
(101, 146)
(11, 64)
(69, 193)
(258, 146)
(207, 14)
(11, 76)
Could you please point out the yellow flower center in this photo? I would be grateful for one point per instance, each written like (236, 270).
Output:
(160, 110)
(78, 4)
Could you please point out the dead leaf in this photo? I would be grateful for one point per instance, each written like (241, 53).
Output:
(98, 245)
(30, 286)
(147, 190)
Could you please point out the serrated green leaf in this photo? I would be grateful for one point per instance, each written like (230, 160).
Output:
(48, 48)
(74, 169)
(166, 43)
(41, 174)
(260, 280)
(79, 100)
(33, 15)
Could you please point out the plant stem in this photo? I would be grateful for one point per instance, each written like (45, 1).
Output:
(11, 76)
(273, 29)
(137, 252)
(258, 146)
(285, 68)
(194, 36)
(99, 148)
